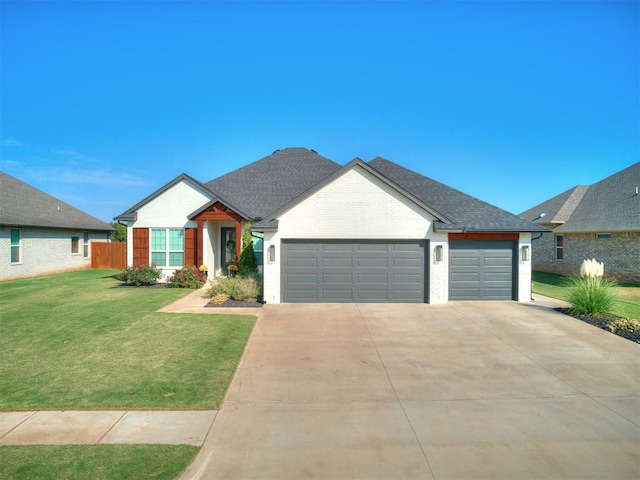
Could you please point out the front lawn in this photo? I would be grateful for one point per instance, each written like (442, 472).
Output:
(627, 295)
(95, 462)
(80, 341)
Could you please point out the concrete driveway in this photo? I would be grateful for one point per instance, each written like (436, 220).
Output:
(495, 390)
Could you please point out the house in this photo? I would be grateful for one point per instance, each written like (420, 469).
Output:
(600, 221)
(40, 234)
(360, 232)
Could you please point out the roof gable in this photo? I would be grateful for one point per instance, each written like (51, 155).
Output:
(131, 213)
(355, 163)
(463, 211)
(24, 205)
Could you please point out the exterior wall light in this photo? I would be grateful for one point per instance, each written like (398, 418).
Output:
(438, 253)
(272, 253)
(524, 253)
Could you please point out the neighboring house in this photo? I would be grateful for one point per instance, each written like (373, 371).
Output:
(40, 234)
(362, 232)
(600, 221)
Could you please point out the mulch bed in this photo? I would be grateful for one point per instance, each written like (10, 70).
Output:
(602, 322)
(235, 304)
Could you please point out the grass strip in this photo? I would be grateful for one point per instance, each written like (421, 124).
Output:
(95, 462)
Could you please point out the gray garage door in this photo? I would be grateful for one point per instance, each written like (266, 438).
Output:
(481, 270)
(353, 271)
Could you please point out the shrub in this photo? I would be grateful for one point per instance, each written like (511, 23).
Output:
(591, 295)
(188, 277)
(248, 265)
(143, 275)
(247, 289)
(219, 298)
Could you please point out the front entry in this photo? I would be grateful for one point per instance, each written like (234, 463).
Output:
(227, 248)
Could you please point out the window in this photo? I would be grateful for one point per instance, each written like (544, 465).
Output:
(167, 247)
(258, 249)
(75, 244)
(15, 246)
(85, 245)
(603, 236)
(559, 247)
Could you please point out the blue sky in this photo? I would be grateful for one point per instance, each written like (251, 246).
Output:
(511, 102)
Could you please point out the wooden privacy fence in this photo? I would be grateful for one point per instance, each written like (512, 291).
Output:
(109, 255)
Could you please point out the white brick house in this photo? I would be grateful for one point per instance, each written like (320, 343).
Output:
(40, 234)
(362, 232)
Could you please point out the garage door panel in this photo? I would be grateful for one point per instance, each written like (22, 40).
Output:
(355, 271)
(464, 262)
(346, 279)
(303, 296)
(471, 277)
(498, 262)
(366, 278)
(345, 262)
(380, 263)
(335, 295)
(302, 262)
(302, 278)
(481, 270)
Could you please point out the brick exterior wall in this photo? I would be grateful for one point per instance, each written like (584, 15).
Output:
(44, 251)
(620, 254)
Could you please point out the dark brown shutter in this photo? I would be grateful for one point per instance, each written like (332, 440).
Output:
(140, 246)
(190, 246)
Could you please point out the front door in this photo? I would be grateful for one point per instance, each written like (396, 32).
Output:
(228, 248)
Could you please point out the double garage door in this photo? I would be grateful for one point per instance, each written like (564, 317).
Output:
(353, 271)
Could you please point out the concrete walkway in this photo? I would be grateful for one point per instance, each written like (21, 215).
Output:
(105, 427)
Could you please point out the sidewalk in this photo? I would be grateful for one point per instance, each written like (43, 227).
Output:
(105, 427)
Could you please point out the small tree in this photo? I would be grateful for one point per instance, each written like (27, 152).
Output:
(248, 265)
(120, 233)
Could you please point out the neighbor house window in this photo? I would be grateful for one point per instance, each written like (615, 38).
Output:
(167, 247)
(603, 236)
(15, 245)
(75, 244)
(85, 245)
(559, 247)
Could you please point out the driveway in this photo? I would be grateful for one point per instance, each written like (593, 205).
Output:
(495, 390)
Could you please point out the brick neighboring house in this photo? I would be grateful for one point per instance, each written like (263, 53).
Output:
(600, 221)
(40, 234)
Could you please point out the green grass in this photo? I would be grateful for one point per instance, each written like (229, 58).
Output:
(95, 462)
(627, 303)
(78, 341)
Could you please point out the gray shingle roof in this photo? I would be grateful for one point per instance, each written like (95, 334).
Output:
(463, 211)
(267, 184)
(611, 204)
(23, 205)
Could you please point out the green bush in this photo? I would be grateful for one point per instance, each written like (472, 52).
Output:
(247, 289)
(140, 276)
(591, 295)
(188, 277)
(248, 265)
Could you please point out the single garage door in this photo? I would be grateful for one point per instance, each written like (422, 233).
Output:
(481, 270)
(353, 271)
